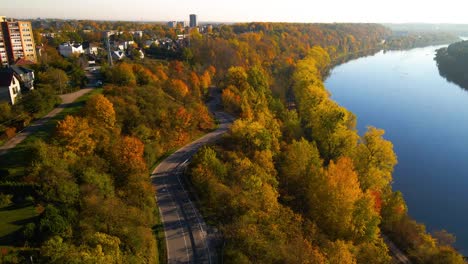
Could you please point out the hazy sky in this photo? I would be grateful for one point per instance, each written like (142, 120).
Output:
(446, 11)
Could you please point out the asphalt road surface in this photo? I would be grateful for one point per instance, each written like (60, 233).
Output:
(397, 255)
(188, 239)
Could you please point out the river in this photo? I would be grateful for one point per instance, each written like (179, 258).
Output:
(426, 118)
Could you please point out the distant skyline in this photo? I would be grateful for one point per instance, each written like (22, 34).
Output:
(395, 11)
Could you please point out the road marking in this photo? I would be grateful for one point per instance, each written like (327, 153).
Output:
(180, 222)
(197, 216)
(190, 149)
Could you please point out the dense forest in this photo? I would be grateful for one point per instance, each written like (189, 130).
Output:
(409, 40)
(292, 181)
(298, 184)
(453, 63)
(89, 181)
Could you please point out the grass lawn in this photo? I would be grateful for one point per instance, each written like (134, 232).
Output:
(12, 218)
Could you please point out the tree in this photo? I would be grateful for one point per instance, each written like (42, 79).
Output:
(40, 100)
(231, 101)
(447, 255)
(299, 162)
(178, 89)
(373, 252)
(251, 136)
(393, 211)
(53, 223)
(339, 252)
(374, 160)
(444, 238)
(128, 159)
(143, 75)
(56, 78)
(332, 198)
(122, 74)
(75, 134)
(237, 77)
(100, 111)
(258, 80)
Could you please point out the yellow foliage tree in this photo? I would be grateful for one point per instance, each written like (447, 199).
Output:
(374, 160)
(75, 134)
(100, 111)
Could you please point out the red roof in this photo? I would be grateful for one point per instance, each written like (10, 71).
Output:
(23, 61)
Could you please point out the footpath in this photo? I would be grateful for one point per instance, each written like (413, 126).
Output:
(67, 100)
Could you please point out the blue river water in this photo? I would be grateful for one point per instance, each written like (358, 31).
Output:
(426, 118)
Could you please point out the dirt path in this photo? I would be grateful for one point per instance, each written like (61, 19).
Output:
(37, 125)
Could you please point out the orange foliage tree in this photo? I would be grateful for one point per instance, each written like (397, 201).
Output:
(75, 134)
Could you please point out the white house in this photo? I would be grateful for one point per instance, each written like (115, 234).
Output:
(24, 75)
(68, 49)
(90, 48)
(10, 88)
(140, 53)
(118, 54)
(123, 45)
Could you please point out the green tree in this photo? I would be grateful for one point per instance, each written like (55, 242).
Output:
(122, 74)
(56, 78)
(298, 164)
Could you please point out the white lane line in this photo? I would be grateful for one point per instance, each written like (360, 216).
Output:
(180, 222)
(203, 236)
(164, 227)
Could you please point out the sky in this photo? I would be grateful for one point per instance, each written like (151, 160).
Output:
(378, 11)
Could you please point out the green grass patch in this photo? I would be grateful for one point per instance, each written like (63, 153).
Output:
(158, 231)
(12, 218)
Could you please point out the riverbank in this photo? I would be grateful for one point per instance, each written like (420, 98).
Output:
(403, 93)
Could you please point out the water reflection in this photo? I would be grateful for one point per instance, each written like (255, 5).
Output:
(426, 118)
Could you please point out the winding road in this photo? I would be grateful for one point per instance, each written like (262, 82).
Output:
(188, 238)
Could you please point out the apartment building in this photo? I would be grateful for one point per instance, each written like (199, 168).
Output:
(16, 41)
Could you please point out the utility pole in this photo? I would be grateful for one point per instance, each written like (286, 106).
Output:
(109, 55)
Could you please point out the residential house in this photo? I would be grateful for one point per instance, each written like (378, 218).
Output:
(25, 77)
(122, 45)
(69, 49)
(137, 34)
(118, 54)
(90, 48)
(10, 89)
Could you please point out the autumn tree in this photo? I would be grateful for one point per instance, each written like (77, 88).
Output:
(122, 74)
(75, 134)
(178, 89)
(237, 77)
(333, 197)
(100, 111)
(374, 160)
(128, 158)
(299, 162)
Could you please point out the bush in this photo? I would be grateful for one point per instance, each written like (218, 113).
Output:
(5, 199)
